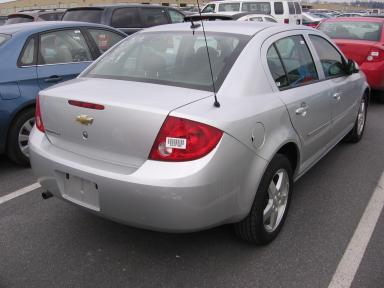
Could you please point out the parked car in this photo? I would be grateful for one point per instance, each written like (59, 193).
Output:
(2, 20)
(34, 56)
(311, 20)
(128, 18)
(247, 16)
(35, 15)
(352, 14)
(360, 39)
(139, 137)
(288, 12)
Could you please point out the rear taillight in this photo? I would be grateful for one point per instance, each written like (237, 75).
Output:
(375, 55)
(38, 119)
(184, 140)
(286, 21)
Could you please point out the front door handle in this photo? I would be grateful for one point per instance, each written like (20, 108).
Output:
(302, 110)
(53, 79)
(337, 96)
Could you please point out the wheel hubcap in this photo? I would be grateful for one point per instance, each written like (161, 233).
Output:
(24, 132)
(361, 118)
(277, 200)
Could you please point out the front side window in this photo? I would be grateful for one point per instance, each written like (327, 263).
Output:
(291, 8)
(297, 8)
(174, 58)
(65, 46)
(366, 31)
(258, 19)
(279, 8)
(153, 17)
(175, 16)
(269, 19)
(125, 18)
(28, 55)
(210, 8)
(257, 7)
(229, 7)
(297, 60)
(104, 39)
(331, 60)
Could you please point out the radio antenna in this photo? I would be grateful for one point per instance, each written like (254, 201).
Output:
(216, 103)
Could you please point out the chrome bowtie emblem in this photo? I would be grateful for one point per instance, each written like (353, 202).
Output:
(84, 119)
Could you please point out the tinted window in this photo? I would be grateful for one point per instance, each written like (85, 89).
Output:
(291, 8)
(209, 8)
(83, 15)
(175, 16)
(65, 46)
(229, 7)
(259, 19)
(177, 58)
(153, 17)
(279, 9)
(297, 60)
(276, 68)
(126, 18)
(268, 19)
(4, 38)
(104, 39)
(19, 19)
(297, 8)
(257, 7)
(28, 56)
(368, 31)
(51, 16)
(331, 60)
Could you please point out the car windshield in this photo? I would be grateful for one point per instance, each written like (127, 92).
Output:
(4, 38)
(257, 7)
(19, 19)
(83, 15)
(368, 31)
(172, 58)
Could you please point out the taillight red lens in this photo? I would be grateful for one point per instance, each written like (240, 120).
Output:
(184, 140)
(38, 119)
(286, 21)
(86, 105)
(376, 54)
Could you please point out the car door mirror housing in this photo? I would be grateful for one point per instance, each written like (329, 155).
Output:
(352, 67)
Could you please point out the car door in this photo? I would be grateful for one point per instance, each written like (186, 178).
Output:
(345, 89)
(296, 80)
(63, 54)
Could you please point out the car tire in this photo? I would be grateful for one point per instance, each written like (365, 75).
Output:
(257, 227)
(17, 144)
(357, 131)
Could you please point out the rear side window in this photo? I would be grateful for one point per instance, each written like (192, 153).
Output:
(153, 17)
(65, 46)
(268, 19)
(368, 31)
(51, 16)
(126, 18)
(83, 15)
(256, 7)
(4, 38)
(279, 8)
(19, 19)
(276, 68)
(331, 60)
(28, 56)
(175, 16)
(229, 7)
(259, 19)
(104, 39)
(209, 8)
(297, 8)
(291, 8)
(297, 60)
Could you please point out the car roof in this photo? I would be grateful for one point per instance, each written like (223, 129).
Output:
(112, 6)
(34, 27)
(249, 28)
(356, 19)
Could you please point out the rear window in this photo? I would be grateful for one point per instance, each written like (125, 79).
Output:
(4, 38)
(291, 8)
(368, 31)
(229, 7)
(257, 7)
(174, 58)
(19, 19)
(279, 9)
(297, 8)
(83, 15)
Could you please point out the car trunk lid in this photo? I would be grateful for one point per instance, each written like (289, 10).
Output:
(356, 50)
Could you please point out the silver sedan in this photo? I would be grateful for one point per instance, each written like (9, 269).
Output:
(158, 135)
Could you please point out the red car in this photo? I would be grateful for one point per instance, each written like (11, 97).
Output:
(362, 40)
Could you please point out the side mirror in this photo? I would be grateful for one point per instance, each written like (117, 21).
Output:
(352, 67)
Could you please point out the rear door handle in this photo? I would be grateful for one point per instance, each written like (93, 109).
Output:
(337, 95)
(302, 110)
(53, 79)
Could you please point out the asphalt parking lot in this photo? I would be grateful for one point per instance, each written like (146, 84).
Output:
(49, 243)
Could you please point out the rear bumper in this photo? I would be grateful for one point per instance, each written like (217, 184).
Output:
(374, 72)
(174, 197)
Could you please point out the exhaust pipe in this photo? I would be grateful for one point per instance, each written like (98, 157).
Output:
(46, 195)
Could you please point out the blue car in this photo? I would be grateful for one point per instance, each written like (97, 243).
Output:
(34, 56)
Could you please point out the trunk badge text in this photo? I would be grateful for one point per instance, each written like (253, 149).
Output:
(84, 119)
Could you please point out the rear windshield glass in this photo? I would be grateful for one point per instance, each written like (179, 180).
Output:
(229, 7)
(4, 38)
(174, 58)
(367, 31)
(83, 15)
(257, 7)
(19, 19)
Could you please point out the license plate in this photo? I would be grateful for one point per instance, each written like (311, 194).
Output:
(80, 191)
